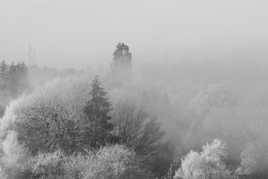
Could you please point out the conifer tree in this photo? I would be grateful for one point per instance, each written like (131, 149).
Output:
(96, 127)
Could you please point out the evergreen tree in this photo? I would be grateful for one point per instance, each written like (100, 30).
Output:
(96, 127)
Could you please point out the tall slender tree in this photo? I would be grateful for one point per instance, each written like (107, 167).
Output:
(96, 126)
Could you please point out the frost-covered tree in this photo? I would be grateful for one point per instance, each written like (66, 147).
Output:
(51, 114)
(52, 128)
(110, 162)
(208, 163)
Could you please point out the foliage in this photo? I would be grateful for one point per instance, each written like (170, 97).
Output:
(96, 126)
(48, 165)
(59, 119)
(141, 132)
(111, 162)
(207, 163)
(52, 128)
(50, 114)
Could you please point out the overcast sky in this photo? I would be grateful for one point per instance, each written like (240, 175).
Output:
(84, 32)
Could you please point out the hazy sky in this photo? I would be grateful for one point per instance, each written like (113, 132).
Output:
(83, 32)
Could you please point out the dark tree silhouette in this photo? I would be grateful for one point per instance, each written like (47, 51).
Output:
(96, 128)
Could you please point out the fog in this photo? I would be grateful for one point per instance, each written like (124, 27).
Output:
(184, 89)
(67, 33)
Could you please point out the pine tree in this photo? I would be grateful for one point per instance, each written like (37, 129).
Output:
(96, 128)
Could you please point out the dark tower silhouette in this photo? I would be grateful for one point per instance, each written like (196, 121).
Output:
(121, 60)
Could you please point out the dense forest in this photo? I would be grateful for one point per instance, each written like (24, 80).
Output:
(149, 123)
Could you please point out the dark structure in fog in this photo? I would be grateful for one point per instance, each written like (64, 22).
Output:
(122, 57)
